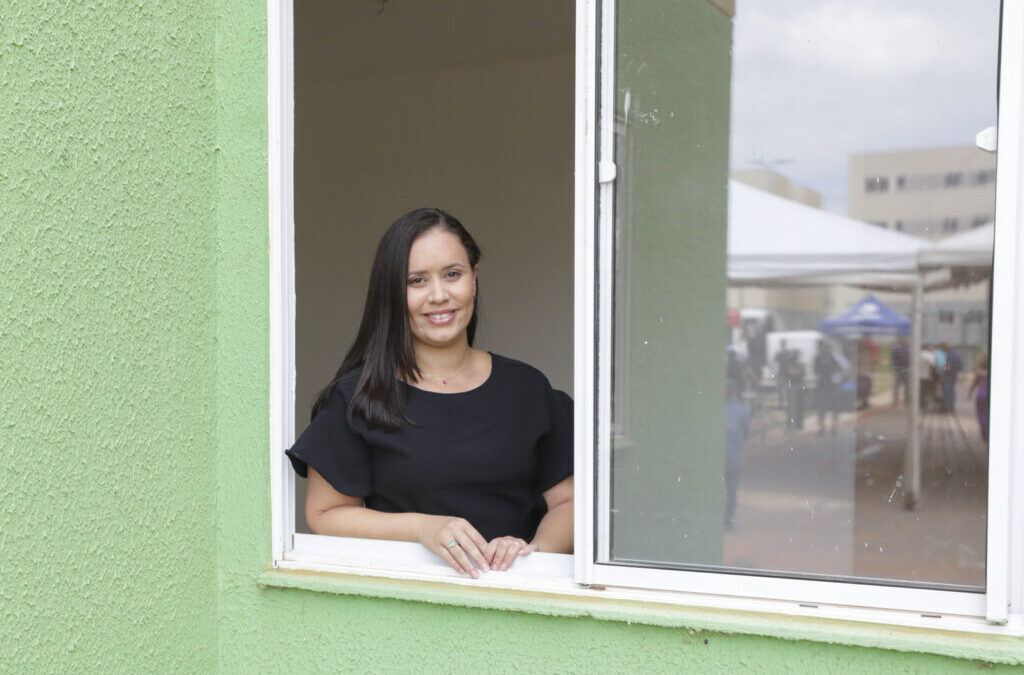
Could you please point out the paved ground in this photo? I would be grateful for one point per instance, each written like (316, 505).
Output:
(833, 504)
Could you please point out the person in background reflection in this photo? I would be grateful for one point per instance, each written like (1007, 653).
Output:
(737, 428)
(979, 390)
(954, 364)
(900, 370)
(829, 375)
(867, 359)
(782, 382)
(796, 375)
(736, 369)
(756, 349)
(940, 358)
(926, 375)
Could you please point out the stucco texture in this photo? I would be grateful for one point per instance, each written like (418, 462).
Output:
(134, 517)
(107, 421)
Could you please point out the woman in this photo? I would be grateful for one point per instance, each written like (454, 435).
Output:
(979, 390)
(422, 437)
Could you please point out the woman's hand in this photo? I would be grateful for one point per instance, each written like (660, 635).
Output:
(501, 552)
(457, 542)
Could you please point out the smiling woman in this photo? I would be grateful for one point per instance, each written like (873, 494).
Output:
(442, 297)
(421, 437)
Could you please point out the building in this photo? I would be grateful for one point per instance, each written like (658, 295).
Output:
(774, 182)
(926, 192)
(141, 229)
(932, 193)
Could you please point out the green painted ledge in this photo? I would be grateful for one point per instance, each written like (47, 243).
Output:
(991, 648)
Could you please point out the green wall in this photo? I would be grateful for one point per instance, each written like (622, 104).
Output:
(673, 67)
(133, 420)
(108, 291)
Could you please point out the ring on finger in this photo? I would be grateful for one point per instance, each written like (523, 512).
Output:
(452, 544)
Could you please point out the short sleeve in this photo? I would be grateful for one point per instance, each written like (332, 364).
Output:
(555, 448)
(330, 446)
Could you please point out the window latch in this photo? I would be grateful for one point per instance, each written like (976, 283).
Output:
(986, 139)
(605, 172)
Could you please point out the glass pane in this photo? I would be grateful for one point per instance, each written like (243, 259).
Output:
(794, 181)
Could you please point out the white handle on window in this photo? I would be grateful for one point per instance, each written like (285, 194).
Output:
(606, 172)
(986, 139)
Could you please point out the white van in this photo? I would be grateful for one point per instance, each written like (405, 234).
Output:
(805, 343)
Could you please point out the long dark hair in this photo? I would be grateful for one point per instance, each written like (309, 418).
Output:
(383, 347)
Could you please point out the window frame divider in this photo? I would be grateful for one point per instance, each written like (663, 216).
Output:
(1005, 540)
(281, 211)
(605, 271)
(584, 313)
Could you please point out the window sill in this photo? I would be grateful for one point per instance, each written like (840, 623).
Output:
(542, 593)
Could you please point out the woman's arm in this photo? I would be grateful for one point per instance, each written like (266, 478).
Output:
(333, 513)
(554, 534)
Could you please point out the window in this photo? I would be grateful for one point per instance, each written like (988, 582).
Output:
(978, 221)
(876, 184)
(953, 179)
(946, 316)
(657, 261)
(492, 162)
(899, 226)
(984, 177)
(924, 181)
(974, 316)
(749, 461)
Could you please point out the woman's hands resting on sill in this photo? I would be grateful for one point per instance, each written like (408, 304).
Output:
(471, 552)
(333, 513)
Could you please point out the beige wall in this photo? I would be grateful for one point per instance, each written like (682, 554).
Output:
(768, 180)
(490, 143)
(921, 210)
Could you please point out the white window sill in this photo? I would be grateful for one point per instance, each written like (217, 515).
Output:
(542, 583)
(551, 572)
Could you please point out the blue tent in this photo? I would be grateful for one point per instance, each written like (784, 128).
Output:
(867, 316)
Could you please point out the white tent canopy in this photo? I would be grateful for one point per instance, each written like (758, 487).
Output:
(771, 238)
(780, 242)
(972, 248)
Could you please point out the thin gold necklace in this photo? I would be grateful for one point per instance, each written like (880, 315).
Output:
(444, 380)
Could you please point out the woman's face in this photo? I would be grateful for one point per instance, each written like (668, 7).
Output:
(439, 289)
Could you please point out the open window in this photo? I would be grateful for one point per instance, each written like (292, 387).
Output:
(735, 267)
(467, 106)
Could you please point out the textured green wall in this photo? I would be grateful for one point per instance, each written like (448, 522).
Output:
(107, 290)
(134, 517)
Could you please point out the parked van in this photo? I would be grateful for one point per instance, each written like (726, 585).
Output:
(805, 344)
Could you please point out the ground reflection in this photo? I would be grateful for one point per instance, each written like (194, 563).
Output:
(813, 502)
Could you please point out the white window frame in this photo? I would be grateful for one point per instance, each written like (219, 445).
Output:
(1000, 610)
(1002, 599)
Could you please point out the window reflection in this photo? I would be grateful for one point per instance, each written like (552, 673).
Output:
(844, 223)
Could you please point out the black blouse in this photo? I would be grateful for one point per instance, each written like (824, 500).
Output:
(486, 455)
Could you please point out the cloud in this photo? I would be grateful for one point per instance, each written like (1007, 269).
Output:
(858, 38)
(814, 81)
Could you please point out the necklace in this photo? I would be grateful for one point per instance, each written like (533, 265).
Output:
(444, 380)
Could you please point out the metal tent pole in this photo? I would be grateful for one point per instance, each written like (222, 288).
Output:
(912, 454)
